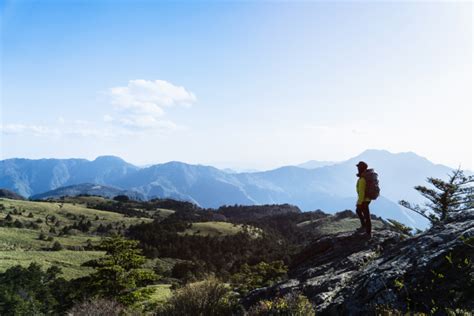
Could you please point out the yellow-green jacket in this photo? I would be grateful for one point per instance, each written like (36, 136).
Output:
(361, 184)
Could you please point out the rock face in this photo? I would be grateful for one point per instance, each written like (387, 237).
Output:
(347, 274)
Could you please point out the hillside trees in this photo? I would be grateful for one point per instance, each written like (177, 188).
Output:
(31, 291)
(446, 198)
(221, 255)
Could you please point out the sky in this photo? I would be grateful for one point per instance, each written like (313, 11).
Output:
(244, 85)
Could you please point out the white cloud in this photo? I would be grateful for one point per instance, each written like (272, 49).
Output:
(36, 130)
(79, 128)
(139, 110)
(141, 104)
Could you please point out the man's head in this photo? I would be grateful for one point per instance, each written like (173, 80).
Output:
(361, 166)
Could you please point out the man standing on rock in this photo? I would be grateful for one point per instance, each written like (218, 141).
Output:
(363, 201)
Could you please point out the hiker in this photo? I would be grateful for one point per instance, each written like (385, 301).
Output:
(367, 190)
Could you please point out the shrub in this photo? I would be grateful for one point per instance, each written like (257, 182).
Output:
(207, 298)
(42, 236)
(399, 227)
(56, 246)
(97, 307)
(32, 225)
(294, 304)
(259, 275)
(188, 271)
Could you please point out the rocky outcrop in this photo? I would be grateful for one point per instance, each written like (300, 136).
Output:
(348, 274)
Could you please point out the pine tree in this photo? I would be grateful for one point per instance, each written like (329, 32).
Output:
(119, 274)
(446, 198)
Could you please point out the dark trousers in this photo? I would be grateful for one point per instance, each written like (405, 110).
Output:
(363, 212)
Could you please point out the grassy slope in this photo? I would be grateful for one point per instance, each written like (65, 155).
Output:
(22, 246)
(63, 211)
(69, 261)
(161, 294)
(330, 226)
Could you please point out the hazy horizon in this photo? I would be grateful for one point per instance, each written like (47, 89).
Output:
(243, 85)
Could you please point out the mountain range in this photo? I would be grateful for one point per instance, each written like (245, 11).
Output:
(325, 186)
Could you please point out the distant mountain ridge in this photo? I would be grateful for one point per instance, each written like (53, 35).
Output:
(87, 189)
(313, 164)
(4, 193)
(330, 188)
(29, 177)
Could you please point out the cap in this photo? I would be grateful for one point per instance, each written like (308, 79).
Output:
(362, 164)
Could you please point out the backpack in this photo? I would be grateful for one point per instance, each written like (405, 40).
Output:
(372, 189)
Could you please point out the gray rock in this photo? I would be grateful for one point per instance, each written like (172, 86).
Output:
(348, 274)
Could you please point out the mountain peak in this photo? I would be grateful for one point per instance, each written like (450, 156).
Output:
(313, 164)
(380, 154)
(108, 158)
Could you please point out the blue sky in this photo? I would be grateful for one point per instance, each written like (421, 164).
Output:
(236, 84)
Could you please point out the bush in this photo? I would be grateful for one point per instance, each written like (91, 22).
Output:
(56, 246)
(294, 304)
(97, 307)
(401, 228)
(209, 297)
(42, 236)
(188, 271)
(259, 275)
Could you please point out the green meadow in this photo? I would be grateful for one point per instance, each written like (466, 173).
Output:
(23, 245)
